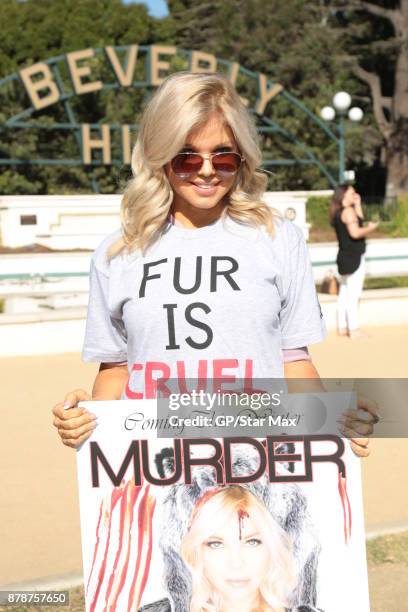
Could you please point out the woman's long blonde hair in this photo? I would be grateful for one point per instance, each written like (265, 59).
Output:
(222, 509)
(185, 101)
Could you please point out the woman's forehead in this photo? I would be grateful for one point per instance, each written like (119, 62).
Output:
(212, 133)
(239, 524)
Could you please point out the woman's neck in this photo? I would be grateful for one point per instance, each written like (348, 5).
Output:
(196, 218)
(252, 604)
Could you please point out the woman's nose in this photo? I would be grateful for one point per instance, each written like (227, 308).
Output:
(207, 168)
(235, 559)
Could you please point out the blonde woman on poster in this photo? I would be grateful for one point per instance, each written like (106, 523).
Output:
(239, 557)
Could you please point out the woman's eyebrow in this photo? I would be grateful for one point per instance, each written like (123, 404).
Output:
(222, 145)
(224, 148)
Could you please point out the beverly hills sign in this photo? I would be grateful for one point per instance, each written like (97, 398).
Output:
(50, 95)
(44, 89)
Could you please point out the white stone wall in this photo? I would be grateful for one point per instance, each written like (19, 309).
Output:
(63, 222)
(68, 222)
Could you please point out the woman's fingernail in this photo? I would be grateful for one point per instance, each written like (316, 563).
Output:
(92, 415)
(66, 405)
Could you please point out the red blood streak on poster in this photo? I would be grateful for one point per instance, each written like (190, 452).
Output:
(346, 508)
(144, 553)
(96, 546)
(242, 514)
(116, 495)
(129, 497)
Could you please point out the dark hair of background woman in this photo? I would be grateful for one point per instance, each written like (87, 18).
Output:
(336, 201)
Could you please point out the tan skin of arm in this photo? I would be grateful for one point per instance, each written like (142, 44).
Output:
(110, 382)
(349, 217)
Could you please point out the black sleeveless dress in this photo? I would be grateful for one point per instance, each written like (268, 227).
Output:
(350, 249)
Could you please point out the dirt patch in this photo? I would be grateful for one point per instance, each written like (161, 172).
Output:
(388, 587)
(387, 558)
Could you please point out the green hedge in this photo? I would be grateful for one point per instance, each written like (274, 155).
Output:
(397, 227)
(317, 212)
(388, 282)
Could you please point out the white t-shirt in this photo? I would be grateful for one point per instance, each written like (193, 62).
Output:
(217, 302)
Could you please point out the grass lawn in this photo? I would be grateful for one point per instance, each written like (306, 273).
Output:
(388, 282)
(388, 549)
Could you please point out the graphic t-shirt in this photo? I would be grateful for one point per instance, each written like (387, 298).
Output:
(218, 302)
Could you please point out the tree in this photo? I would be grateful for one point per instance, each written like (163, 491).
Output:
(36, 30)
(291, 43)
(377, 34)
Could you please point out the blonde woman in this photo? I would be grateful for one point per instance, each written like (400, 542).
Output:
(239, 557)
(203, 280)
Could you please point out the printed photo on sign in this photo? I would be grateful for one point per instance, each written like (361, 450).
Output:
(187, 525)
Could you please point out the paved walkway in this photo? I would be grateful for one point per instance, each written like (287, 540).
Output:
(39, 521)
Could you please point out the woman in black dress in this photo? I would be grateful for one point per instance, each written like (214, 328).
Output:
(347, 218)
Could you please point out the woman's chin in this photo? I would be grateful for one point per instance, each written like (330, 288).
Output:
(199, 204)
(205, 202)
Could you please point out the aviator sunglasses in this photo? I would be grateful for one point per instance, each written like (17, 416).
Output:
(224, 163)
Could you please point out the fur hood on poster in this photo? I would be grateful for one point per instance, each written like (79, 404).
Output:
(285, 502)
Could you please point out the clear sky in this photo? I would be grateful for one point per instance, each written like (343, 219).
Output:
(157, 8)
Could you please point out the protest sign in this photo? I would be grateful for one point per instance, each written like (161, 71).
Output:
(191, 524)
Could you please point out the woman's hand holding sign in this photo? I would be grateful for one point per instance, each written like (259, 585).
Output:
(75, 424)
(359, 424)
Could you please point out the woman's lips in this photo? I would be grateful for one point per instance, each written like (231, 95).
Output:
(205, 190)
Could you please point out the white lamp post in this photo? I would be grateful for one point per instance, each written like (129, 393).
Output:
(341, 103)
